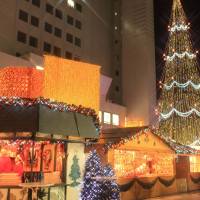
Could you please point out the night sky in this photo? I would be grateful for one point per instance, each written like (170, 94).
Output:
(162, 15)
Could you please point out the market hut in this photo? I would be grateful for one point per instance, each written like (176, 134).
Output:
(45, 116)
(146, 165)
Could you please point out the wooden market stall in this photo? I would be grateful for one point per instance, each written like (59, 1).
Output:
(147, 165)
(41, 113)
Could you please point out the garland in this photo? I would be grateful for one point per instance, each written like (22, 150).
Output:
(145, 185)
(195, 180)
(53, 105)
(182, 85)
(180, 55)
(164, 116)
(178, 148)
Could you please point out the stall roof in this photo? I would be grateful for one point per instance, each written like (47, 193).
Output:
(44, 116)
(120, 135)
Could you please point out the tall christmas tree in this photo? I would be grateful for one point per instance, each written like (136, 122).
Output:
(179, 104)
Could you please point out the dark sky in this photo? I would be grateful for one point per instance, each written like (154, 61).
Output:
(162, 15)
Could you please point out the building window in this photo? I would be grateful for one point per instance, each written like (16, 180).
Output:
(115, 119)
(70, 20)
(106, 118)
(21, 37)
(100, 116)
(78, 42)
(78, 24)
(18, 54)
(36, 3)
(34, 21)
(59, 14)
(23, 16)
(68, 55)
(117, 73)
(48, 27)
(49, 8)
(194, 164)
(69, 37)
(57, 51)
(47, 47)
(57, 32)
(117, 88)
(79, 7)
(33, 41)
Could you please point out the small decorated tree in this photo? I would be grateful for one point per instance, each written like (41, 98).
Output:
(110, 187)
(75, 173)
(92, 187)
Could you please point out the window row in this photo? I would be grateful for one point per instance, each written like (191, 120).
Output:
(58, 13)
(58, 33)
(108, 118)
(48, 48)
(22, 37)
(24, 16)
(50, 8)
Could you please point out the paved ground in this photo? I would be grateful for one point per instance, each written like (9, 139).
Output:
(188, 196)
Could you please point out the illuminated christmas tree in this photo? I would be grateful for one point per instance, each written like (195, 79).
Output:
(179, 104)
(111, 189)
(92, 186)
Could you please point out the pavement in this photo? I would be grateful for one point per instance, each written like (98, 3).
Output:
(186, 196)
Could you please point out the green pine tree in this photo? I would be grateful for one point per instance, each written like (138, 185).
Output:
(75, 173)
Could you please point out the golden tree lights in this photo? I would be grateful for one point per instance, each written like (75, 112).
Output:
(179, 104)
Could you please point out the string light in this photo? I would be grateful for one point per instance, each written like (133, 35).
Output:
(53, 105)
(181, 55)
(180, 27)
(182, 85)
(181, 114)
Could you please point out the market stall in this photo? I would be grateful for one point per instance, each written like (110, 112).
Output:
(145, 166)
(148, 165)
(41, 119)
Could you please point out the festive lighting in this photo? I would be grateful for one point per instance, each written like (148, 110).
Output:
(181, 114)
(181, 55)
(24, 82)
(179, 100)
(74, 83)
(92, 188)
(178, 148)
(53, 105)
(71, 3)
(131, 163)
(180, 27)
(182, 85)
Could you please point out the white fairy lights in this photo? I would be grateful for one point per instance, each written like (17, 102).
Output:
(181, 27)
(180, 55)
(181, 114)
(182, 85)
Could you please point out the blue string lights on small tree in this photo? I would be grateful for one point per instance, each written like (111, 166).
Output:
(111, 189)
(92, 187)
(99, 182)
